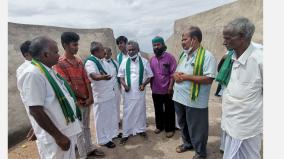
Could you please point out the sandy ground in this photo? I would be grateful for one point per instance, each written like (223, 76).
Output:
(155, 147)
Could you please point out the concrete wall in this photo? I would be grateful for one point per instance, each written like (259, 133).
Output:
(211, 24)
(17, 33)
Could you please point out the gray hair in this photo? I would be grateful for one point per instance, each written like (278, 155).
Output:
(39, 45)
(95, 46)
(242, 26)
(134, 43)
(107, 49)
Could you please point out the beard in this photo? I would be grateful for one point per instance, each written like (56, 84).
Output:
(158, 51)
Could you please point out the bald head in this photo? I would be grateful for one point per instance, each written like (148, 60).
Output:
(241, 26)
(39, 45)
(45, 50)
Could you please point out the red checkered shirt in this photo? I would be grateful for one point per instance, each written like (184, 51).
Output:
(73, 71)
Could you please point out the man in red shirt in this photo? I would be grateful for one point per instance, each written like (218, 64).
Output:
(71, 68)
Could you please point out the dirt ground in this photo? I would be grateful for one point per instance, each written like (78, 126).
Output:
(157, 146)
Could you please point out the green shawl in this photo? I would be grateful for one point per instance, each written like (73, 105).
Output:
(128, 72)
(98, 64)
(224, 74)
(64, 103)
(197, 71)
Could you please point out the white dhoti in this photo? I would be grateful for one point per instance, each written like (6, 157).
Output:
(222, 140)
(242, 149)
(118, 99)
(53, 151)
(134, 116)
(105, 121)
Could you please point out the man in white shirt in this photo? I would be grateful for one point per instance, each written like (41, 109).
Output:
(121, 42)
(56, 132)
(25, 52)
(242, 101)
(135, 73)
(105, 109)
(114, 68)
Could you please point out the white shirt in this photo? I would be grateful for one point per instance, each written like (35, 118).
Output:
(22, 67)
(182, 89)
(113, 70)
(242, 100)
(134, 92)
(103, 90)
(36, 90)
(123, 56)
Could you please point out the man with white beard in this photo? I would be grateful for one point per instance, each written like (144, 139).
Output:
(135, 73)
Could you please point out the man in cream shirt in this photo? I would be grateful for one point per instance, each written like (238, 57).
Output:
(242, 101)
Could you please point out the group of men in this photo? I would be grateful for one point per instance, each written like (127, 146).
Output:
(58, 92)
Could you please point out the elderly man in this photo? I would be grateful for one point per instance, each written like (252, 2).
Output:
(121, 43)
(163, 66)
(25, 52)
(72, 70)
(49, 102)
(242, 101)
(114, 68)
(193, 78)
(135, 73)
(105, 109)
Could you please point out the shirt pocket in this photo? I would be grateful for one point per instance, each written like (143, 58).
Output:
(240, 90)
(165, 69)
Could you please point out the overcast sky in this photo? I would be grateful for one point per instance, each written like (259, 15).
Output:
(138, 20)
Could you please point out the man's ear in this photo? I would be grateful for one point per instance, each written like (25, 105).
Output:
(64, 45)
(45, 54)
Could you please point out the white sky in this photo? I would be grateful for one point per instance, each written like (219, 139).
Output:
(136, 19)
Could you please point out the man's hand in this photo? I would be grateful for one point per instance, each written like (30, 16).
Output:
(63, 142)
(126, 88)
(178, 76)
(170, 91)
(31, 135)
(89, 101)
(105, 77)
(141, 87)
(80, 103)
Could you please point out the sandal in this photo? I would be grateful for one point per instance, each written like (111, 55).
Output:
(110, 145)
(97, 153)
(123, 140)
(181, 149)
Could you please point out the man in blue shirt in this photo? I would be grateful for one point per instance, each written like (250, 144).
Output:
(193, 78)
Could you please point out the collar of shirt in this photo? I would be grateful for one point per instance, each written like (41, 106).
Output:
(191, 58)
(51, 71)
(108, 60)
(162, 56)
(136, 60)
(73, 62)
(100, 60)
(243, 58)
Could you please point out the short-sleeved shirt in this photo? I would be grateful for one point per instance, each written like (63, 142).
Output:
(103, 90)
(134, 92)
(36, 90)
(73, 71)
(242, 101)
(163, 69)
(123, 57)
(182, 90)
(22, 67)
(114, 71)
